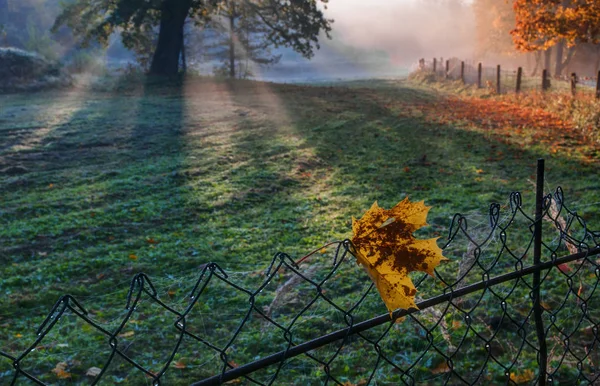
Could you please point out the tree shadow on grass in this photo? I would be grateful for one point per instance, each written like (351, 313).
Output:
(93, 186)
(384, 146)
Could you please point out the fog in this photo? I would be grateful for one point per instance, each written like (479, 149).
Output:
(381, 38)
(370, 38)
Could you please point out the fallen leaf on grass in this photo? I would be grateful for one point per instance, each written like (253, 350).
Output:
(133, 257)
(386, 248)
(179, 365)
(93, 372)
(126, 334)
(441, 368)
(525, 377)
(564, 268)
(362, 382)
(61, 370)
(232, 364)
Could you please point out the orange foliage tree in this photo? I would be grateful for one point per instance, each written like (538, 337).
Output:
(542, 24)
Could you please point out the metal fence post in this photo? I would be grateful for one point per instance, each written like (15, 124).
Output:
(462, 71)
(434, 65)
(519, 78)
(447, 69)
(573, 83)
(479, 72)
(537, 253)
(598, 86)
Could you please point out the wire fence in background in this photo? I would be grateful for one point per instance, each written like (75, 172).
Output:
(504, 80)
(516, 303)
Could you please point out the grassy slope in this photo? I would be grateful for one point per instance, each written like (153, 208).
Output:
(162, 180)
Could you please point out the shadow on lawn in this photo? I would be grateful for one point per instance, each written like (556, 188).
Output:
(368, 137)
(99, 174)
(130, 157)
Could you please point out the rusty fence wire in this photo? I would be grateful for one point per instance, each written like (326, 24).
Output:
(516, 303)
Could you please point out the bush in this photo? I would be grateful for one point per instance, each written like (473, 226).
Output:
(25, 71)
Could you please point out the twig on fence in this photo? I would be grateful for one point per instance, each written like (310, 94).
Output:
(466, 264)
(559, 223)
(299, 261)
(287, 287)
(438, 316)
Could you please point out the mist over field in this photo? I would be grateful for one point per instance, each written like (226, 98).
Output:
(382, 38)
(369, 39)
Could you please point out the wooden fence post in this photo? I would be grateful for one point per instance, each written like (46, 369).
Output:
(462, 71)
(598, 86)
(448, 69)
(519, 77)
(544, 80)
(498, 85)
(573, 83)
(434, 65)
(479, 73)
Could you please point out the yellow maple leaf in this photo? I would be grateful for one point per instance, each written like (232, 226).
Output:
(386, 248)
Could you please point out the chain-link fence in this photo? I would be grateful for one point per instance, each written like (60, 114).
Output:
(515, 303)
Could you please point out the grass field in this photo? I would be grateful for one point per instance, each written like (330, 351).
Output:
(96, 186)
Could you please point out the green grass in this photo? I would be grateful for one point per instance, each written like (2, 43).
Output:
(96, 187)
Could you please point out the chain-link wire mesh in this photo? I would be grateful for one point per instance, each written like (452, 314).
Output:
(322, 321)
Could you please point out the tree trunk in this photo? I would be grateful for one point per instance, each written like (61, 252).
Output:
(232, 42)
(537, 56)
(165, 61)
(547, 59)
(183, 58)
(558, 67)
(597, 66)
(570, 53)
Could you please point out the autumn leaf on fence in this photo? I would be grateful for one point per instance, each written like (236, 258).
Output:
(386, 248)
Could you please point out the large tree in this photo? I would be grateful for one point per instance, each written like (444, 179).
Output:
(544, 24)
(295, 23)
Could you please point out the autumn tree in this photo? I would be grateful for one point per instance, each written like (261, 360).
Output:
(543, 24)
(294, 23)
(238, 36)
